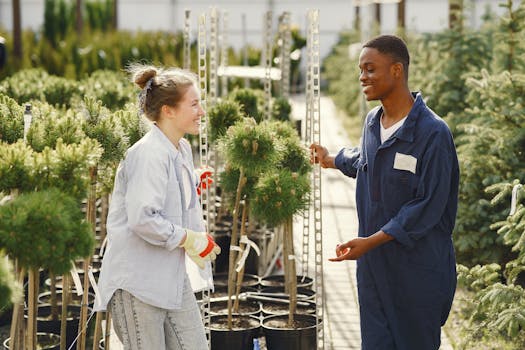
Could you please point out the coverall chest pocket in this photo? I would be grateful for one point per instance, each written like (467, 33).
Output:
(401, 187)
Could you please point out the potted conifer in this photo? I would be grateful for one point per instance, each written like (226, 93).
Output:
(279, 195)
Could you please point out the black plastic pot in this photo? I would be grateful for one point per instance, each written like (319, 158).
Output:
(52, 339)
(6, 315)
(237, 338)
(246, 307)
(48, 325)
(74, 298)
(223, 239)
(303, 293)
(278, 281)
(302, 338)
(249, 280)
(273, 308)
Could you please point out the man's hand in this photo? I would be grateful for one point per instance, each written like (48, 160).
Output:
(351, 250)
(200, 247)
(357, 247)
(319, 154)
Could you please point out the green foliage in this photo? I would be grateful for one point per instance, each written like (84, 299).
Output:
(249, 146)
(15, 167)
(45, 229)
(229, 180)
(35, 84)
(101, 125)
(25, 85)
(49, 124)
(498, 310)
(111, 88)
(133, 124)
(99, 14)
(249, 102)
(458, 53)
(509, 52)
(281, 109)
(491, 150)
(11, 120)
(342, 74)
(58, 19)
(295, 157)
(279, 195)
(292, 154)
(66, 167)
(221, 116)
(10, 290)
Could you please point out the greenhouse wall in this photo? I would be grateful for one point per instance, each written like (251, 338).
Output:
(335, 15)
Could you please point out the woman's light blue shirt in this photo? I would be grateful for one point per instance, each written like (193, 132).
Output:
(154, 200)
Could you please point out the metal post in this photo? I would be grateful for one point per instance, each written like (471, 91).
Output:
(224, 51)
(314, 101)
(214, 54)
(268, 64)
(245, 48)
(187, 42)
(203, 154)
(284, 61)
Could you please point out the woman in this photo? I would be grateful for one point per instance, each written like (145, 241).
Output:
(154, 219)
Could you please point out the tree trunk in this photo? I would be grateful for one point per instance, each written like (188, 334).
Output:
(455, 9)
(17, 31)
(91, 217)
(240, 274)
(357, 21)
(291, 278)
(80, 19)
(234, 241)
(377, 15)
(401, 23)
(63, 314)
(115, 14)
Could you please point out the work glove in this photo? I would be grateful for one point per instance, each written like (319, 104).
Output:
(205, 179)
(200, 247)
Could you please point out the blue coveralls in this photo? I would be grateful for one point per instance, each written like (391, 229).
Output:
(407, 187)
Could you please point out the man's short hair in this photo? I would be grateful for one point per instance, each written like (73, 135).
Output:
(393, 46)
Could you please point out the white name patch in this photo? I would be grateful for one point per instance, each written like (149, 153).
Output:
(405, 162)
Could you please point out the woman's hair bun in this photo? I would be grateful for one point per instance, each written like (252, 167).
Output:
(142, 75)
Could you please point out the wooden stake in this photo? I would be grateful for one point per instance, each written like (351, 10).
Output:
(240, 274)
(16, 322)
(91, 217)
(108, 330)
(98, 329)
(63, 316)
(234, 241)
(292, 274)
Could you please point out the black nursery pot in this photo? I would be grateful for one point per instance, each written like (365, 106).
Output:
(278, 281)
(249, 280)
(223, 239)
(239, 338)
(48, 325)
(45, 341)
(303, 293)
(74, 298)
(304, 337)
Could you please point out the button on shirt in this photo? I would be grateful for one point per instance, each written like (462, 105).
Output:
(150, 208)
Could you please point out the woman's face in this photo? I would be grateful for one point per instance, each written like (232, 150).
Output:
(188, 112)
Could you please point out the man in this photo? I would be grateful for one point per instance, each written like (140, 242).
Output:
(407, 191)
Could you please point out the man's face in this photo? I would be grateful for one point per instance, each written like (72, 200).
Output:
(376, 74)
